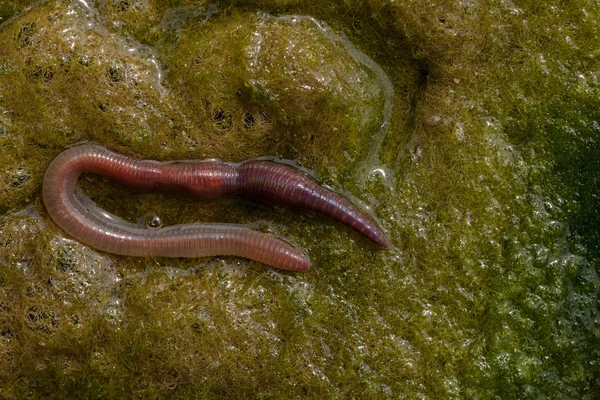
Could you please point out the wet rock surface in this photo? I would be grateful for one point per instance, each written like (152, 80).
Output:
(470, 131)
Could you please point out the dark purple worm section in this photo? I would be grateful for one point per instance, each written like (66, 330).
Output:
(283, 185)
(207, 179)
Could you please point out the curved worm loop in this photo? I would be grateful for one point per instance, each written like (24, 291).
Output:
(257, 179)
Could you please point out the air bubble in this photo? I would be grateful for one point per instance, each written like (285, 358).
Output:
(153, 222)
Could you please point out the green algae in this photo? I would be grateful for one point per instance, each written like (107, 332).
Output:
(486, 182)
(9, 9)
(284, 88)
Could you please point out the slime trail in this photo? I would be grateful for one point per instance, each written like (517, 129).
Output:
(207, 179)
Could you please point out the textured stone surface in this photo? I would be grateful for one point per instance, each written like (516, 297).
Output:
(471, 129)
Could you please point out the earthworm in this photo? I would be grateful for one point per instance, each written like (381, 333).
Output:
(262, 180)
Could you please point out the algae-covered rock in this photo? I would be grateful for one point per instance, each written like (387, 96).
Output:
(282, 85)
(65, 80)
(470, 129)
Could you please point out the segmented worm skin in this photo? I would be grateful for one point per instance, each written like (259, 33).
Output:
(283, 185)
(207, 179)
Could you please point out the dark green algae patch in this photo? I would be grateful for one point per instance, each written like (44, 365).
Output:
(486, 181)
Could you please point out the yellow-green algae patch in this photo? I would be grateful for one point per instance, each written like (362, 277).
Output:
(8, 9)
(283, 86)
(486, 182)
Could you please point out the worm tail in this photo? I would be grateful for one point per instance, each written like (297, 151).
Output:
(286, 186)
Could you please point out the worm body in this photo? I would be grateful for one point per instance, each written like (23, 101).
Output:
(206, 179)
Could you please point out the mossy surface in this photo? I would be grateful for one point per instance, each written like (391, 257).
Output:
(482, 167)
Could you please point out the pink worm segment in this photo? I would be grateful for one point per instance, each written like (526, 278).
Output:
(207, 179)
